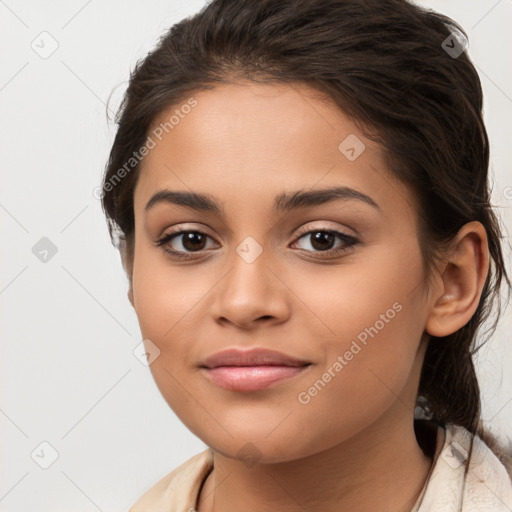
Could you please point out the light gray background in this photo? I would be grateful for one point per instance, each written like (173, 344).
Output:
(68, 374)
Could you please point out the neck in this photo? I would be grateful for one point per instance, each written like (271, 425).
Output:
(381, 468)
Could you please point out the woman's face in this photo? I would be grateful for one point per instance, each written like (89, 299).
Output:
(349, 301)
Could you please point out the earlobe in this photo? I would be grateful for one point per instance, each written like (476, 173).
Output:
(462, 282)
(130, 296)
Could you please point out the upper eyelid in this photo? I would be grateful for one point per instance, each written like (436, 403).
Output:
(304, 228)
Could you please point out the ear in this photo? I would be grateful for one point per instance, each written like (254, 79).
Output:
(128, 268)
(466, 266)
(130, 295)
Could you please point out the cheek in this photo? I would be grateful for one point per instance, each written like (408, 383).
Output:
(370, 357)
(359, 382)
(368, 327)
(374, 297)
(164, 295)
(168, 301)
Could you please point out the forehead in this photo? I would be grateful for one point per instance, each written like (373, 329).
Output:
(249, 118)
(248, 142)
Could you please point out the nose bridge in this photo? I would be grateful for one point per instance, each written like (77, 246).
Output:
(249, 265)
(250, 290)
(248, 279)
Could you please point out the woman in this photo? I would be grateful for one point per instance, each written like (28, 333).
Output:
(299, 193)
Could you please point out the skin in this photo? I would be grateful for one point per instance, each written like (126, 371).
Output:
(353, 446)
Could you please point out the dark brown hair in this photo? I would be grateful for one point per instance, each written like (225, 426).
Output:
(386, 64)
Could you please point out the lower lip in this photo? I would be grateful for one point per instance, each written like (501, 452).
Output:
(251, 378)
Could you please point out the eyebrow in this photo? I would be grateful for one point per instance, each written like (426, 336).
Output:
(282, 203)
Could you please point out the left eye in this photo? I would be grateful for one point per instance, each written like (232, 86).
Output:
(322, 240)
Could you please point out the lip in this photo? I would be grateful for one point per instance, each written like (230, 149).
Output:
(252, 357)
(251, 370)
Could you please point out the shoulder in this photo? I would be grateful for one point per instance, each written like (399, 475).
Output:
(502, 452)
(488, 481)
(178, 490)
(467, 474)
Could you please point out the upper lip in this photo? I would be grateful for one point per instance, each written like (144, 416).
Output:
(253, 357)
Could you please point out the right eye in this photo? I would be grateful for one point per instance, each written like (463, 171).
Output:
(183, 243)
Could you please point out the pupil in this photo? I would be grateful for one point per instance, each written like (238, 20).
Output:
(320, 237)
(192, 238)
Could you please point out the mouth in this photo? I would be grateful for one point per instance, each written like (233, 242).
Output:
(252, 378)
(251, 370)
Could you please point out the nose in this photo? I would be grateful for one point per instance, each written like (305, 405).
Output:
(251, 294)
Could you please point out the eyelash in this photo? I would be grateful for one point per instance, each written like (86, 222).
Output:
(348, 240)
